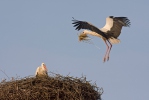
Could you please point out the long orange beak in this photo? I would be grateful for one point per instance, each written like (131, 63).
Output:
(45, 67)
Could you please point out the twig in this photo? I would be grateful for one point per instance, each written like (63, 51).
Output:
(4, 73)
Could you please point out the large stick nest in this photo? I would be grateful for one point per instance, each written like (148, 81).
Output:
(55, 87)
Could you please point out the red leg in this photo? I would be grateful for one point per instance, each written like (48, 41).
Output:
(107, 50)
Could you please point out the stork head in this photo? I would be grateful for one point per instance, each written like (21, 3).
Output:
(83, 36)
(44, 66)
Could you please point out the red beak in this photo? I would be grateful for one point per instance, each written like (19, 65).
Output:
(45, 67)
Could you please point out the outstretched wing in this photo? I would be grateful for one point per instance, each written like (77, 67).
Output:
(114, 25)
(123, 20)
(85, 25)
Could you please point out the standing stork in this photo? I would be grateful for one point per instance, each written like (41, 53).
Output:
(108, 33)
(41, 71)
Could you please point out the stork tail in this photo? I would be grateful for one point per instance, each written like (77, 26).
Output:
(114, 40)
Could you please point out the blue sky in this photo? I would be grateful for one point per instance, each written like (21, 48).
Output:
(36, 31)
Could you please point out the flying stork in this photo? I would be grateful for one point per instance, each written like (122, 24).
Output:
(41, 70)
(108, 33)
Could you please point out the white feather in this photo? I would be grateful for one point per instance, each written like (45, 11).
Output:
(41, 71)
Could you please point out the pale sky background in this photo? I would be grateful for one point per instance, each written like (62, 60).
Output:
(36, 31)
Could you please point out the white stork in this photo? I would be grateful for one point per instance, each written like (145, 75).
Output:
(108, 33)
(41, 70)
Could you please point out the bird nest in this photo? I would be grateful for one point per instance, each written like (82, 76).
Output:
(55, 87)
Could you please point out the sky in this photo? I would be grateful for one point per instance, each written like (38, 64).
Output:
(36, 31)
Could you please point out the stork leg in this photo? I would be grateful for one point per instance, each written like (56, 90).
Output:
(109, 50)
(106, 57)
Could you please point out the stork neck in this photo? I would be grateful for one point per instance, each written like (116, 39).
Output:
(91, 33)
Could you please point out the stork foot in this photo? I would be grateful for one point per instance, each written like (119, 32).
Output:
(104, 59)
(108, 58)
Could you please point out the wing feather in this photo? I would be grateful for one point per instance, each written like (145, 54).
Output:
(114, 25)
(85, 25)
(123, 20)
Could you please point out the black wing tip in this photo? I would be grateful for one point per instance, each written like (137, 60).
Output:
(126, 21)
(76, 24)
(73, 19)
(111, 16)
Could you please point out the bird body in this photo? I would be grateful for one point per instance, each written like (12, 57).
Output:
(41, 71)
(108, 33)
(114, 26)
(111, 39)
